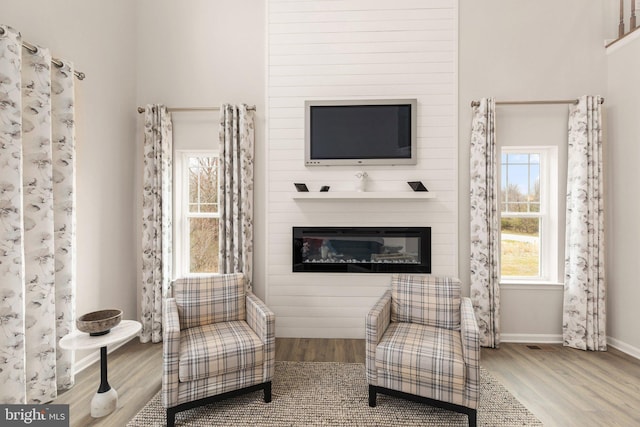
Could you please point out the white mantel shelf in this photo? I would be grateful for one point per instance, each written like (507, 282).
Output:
(372, 195)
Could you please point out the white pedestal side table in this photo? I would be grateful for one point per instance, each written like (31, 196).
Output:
(105, 400)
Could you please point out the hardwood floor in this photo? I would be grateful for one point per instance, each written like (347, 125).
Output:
(567, 387)
(561, 386)
(320, 350)
(134, 370)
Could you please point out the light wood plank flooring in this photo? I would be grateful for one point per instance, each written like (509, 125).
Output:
(551, 381)
(567, 387)
(134, 370)
(320, 350)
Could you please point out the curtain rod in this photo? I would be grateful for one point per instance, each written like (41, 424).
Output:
(559, 101)
(172, 109)
(58, 63)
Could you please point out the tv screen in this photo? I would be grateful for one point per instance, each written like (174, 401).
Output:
(370, 132)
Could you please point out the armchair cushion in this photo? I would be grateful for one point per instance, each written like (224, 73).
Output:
(219, 348)
(426, 300)
(211, 299)
(422, 360)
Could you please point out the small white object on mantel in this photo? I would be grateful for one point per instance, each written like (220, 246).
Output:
(361, 181)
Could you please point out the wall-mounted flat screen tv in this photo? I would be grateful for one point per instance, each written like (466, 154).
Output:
(360, 132)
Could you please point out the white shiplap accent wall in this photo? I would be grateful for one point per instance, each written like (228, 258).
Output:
(356, 49)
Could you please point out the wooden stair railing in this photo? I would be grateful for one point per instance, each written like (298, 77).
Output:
(632, 22)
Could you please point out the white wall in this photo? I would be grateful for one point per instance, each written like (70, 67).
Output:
(200, 53)
(84, 33)
(526, 51)
(347, 50)
(623, 175)
(187, 55)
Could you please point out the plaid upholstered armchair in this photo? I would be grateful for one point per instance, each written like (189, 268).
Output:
(219, 341)
(422, 343)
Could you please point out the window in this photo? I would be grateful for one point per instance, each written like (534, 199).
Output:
(197, 213)
(528, 214)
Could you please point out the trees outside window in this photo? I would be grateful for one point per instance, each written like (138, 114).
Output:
(198, 213)
(528, 214)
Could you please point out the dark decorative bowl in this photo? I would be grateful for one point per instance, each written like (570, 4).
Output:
(99, 322)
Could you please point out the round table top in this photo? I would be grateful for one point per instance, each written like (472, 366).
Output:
(78, 340)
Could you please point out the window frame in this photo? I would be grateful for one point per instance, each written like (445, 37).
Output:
(182, 214)
(549, 214)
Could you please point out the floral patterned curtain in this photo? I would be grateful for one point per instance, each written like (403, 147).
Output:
(485, 231)
(236, 190)
(37, 222)
(156, 220)
(584, 315)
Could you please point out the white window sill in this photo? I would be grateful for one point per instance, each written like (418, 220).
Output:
(528, 285)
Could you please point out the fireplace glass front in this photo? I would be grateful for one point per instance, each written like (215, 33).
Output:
(362, 249)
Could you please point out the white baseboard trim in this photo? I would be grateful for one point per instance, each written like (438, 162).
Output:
(87, 361)
(557, 339)
(532, 338)
(624, 347)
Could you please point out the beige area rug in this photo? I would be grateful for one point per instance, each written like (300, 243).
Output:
(336, 394)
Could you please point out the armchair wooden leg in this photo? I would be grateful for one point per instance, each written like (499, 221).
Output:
(372, 396)
(267, 392)
(171, 418)
(473, 415)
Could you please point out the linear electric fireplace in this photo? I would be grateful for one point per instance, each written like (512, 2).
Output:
(362, 249)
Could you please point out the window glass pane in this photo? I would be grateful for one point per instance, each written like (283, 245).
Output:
(209, 207)
(514, 198)
(203, 184)
(209, 185)
(518, 207)
(518, 158)
(519, 177)
(203, 245)
(520, 182)
(503, 185)
(520, 247)
(194, 162)
(193, 184)
(207, 162)
(534, 183)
